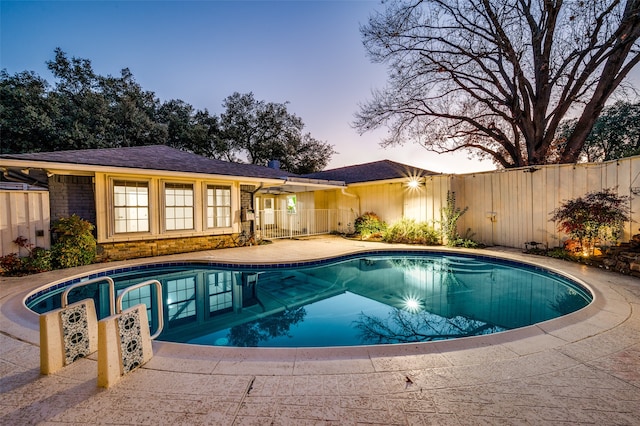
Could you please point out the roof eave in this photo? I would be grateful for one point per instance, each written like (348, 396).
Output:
(90, 170)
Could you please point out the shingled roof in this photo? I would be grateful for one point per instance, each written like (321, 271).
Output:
(153, 157)
(369, 172)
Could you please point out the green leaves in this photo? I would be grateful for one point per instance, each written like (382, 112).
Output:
(85, 110)
(75, 244)
(450, 216)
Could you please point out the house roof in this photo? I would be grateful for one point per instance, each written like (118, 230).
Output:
(369, 172)
(153, 157)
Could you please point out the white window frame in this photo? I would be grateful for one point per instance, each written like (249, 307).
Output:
(128, 208)
(212, 208)
(179, 210)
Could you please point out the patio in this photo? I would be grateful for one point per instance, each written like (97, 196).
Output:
(583, 368)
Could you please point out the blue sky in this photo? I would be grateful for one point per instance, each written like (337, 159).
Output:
(307, 53)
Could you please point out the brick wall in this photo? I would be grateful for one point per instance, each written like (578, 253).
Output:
(72, 195)
(136, 249)
(246, 196)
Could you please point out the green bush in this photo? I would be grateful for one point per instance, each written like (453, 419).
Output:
(38, 260)
(369, 224)
(409, 231)
(11, 265)
(75, 244)
(466, 241)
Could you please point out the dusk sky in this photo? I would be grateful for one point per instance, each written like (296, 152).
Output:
(307, 53)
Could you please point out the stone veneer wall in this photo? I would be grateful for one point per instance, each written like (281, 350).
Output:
(136, 249)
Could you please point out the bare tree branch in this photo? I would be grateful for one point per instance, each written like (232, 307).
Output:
(497, 77)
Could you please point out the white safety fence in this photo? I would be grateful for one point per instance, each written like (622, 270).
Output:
(272, 224)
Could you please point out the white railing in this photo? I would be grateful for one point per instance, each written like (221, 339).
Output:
(271, 224)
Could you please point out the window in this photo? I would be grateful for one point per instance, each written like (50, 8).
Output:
(218, 206)
(220, 292)
(181, 298)
(131, 206)
(178, 206)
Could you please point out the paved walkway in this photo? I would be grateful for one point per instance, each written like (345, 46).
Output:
(583, 368)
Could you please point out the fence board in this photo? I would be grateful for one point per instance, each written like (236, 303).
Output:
(22, 214)
(523, 199)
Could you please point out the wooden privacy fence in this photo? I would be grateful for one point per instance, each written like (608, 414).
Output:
(509, 208)
(23, 213)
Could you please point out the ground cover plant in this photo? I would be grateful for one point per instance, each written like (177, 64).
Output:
(410, 231)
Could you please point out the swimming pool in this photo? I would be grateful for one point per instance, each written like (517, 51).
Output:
(378, 297)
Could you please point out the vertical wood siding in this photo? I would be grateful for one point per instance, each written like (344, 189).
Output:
(22, 213)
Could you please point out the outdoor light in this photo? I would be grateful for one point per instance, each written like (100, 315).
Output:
(414, 183)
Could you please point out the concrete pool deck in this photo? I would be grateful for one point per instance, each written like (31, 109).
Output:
(583, 368)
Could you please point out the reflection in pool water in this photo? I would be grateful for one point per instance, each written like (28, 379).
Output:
(372, 299)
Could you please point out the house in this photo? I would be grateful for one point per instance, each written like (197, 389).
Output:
(148, 200)
(156, 200)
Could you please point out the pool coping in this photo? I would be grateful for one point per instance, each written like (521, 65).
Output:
(608, 310)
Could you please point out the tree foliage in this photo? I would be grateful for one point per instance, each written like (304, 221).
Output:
(615, 134)
(267, 131)
(497, 77)
(83, 109)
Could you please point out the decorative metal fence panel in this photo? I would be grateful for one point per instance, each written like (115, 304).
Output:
(272, 224)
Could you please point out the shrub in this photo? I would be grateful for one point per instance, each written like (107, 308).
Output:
(38, 260)
(450, 216)
(596, 218)
(11, 265)
(75, 244)
(466, 241)
(369, 224)
(411, 232)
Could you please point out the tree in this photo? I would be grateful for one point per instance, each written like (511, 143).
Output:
(25, 113)
(497, 77)
(82, 111)
(615, 134)
(264, 131)
(132, 112)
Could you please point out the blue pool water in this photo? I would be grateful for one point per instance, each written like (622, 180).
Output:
(373, 298)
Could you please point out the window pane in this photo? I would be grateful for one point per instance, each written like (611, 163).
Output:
(218, 206)
(179, 206)
(131, 206)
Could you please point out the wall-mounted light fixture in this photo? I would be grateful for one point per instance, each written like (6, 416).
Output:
(413, 183)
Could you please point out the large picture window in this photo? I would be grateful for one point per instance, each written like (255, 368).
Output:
(218, 206)
(131, 206)
(178, 206)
